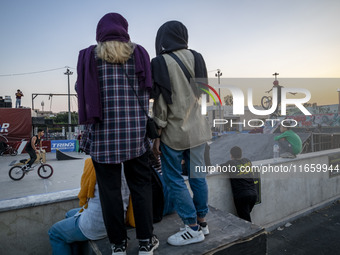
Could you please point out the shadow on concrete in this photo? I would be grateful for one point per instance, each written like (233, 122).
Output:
(317, 233)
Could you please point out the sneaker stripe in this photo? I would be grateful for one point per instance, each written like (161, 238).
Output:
(189, 235)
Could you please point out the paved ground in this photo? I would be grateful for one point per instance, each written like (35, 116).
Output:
(67, 174)
(317, 233)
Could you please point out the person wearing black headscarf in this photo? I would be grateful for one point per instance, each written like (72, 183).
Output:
(184, 131)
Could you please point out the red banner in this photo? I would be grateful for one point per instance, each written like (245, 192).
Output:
(15, 124)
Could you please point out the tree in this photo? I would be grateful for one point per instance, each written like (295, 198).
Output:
(228, 100)
(62, 118)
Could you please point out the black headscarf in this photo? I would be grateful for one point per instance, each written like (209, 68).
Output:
(171, 36)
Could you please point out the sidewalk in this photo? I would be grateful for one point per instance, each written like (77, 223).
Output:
(317, 233)
(66, 176)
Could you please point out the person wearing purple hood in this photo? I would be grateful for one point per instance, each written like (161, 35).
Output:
(111, 75)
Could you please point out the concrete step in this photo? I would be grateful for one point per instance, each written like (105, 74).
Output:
(228, 235)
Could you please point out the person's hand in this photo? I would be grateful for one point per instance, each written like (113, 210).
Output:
(155, 148)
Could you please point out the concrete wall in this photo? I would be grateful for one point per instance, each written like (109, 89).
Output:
(284, 195)
(24, 222)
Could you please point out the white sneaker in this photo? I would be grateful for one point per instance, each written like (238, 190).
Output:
(204, 227)
(186, 236)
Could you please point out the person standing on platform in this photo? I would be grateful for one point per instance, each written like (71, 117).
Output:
(18, 96)
(113, 86)
(184, 130)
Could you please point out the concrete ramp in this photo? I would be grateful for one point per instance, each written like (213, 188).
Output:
(63, 156)
(254, 146)
(228, 235)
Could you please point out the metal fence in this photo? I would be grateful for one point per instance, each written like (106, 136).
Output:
(321, 141)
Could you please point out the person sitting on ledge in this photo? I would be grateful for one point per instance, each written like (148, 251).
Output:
(289, 142)
(86, 223)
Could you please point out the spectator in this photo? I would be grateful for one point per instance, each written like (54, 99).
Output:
(184, 131)
(84, 223)
(111, 75)
(289, 142)
(18, 96)
(242, 183)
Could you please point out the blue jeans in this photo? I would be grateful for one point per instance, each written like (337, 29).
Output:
(63, 233)
(187, 208)
(18, 103)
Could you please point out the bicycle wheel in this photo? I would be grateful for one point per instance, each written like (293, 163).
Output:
(16, 173)
(266, 102)
(45, 171)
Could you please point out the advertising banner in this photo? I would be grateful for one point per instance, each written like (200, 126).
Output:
(15, 124)
(63, 145)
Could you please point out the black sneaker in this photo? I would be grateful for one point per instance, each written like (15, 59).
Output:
(147, 247)
(119, 249)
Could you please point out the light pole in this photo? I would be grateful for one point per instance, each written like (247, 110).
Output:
(339, 101)
(68, 73)
(218, 75)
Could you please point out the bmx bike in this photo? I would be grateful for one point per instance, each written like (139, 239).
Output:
(266, 102)
(6, 148)
(18, 171)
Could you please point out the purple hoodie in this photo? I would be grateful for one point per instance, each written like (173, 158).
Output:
(111, 27)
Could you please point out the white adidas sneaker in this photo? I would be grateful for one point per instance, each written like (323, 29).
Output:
(186, 236)
(204, 227)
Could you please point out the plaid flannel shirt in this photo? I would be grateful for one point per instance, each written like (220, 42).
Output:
(121, 134)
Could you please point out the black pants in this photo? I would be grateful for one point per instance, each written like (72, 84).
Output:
(244, 205)
(138, 177)
(33, 156)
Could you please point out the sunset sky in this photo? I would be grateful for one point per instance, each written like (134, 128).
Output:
(244, 39)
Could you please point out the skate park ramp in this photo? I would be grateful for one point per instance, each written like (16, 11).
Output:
(63, 156)
(254, 146)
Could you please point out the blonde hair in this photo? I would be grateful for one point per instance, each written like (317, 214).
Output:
(115, 51)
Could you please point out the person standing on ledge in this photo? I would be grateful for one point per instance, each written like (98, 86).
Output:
(184, 130)
(18, 96)
(113, 87)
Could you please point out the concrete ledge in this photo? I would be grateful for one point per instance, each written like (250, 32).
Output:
(228, 235)
(36, 200)
(24, 222)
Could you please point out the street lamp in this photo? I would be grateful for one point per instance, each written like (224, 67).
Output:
(218, 75)
(339, 101)
(68, 73)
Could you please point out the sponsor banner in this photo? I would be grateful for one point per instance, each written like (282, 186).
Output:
(63, 145)
(15, 124)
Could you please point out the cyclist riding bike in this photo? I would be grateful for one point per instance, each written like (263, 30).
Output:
(279, 88)
(31, 148)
